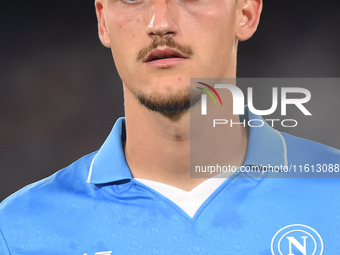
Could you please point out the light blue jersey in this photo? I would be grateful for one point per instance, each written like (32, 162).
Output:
(95, 207)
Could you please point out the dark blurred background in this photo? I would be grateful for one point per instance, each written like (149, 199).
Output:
(60, 93)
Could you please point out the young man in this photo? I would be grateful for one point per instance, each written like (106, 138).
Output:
(135, 195)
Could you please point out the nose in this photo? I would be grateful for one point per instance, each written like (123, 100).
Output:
(162, 18)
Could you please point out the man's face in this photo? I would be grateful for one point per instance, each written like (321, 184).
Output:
(158, 45)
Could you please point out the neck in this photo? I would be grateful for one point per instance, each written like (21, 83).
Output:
(157, 147)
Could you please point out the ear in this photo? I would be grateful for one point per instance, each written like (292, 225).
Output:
(248, 18)
(102, 28)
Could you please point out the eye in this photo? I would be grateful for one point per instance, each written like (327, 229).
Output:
(131, 1)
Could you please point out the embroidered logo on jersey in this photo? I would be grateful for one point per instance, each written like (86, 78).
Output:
(297, 239)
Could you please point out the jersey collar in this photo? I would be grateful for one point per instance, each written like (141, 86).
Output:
(266, 147)
(109, 164)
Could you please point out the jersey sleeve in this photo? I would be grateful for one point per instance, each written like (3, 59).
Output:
(3, 245)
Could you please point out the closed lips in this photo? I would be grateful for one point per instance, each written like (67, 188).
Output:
(163, 54)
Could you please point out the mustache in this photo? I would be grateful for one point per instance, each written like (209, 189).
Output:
(164, 41)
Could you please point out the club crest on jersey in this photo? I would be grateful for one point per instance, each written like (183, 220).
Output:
(297, 239)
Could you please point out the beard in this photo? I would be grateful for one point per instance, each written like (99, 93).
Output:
(170, 103)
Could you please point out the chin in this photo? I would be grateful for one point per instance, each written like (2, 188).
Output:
(168, 100)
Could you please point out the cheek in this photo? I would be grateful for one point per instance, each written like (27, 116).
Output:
(213, 34)
(213, 13)
(213, 24)
(123, 24)
(121, 31)
(124, 33)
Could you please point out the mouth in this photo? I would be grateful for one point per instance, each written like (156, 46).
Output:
(164, 57)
